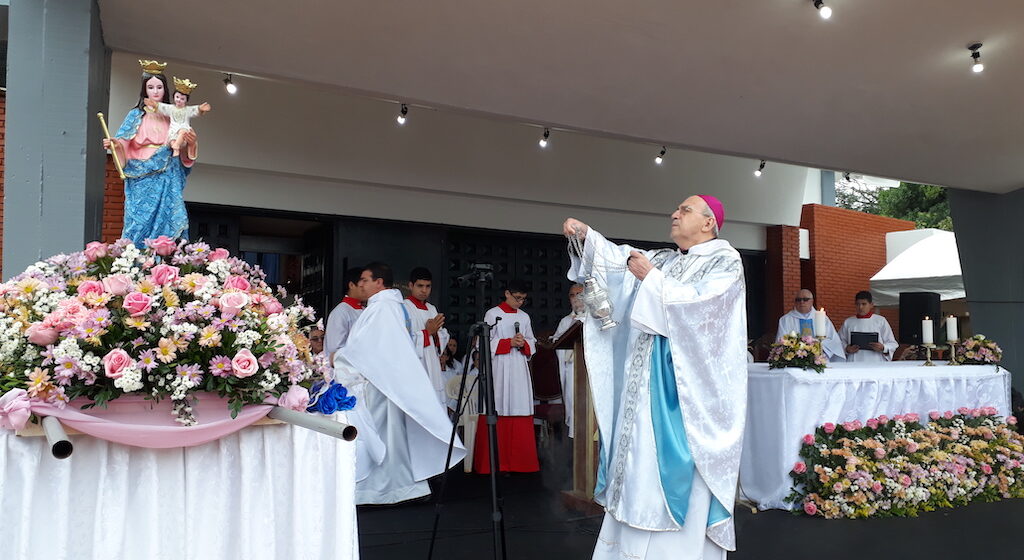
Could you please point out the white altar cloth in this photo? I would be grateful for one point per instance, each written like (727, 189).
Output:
(783, 405)
(273, 491)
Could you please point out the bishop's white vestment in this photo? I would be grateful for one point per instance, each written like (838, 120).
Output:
(513, 394)
(380, 366)
(669, 387)
(803, 325)
(872, 323)
(428, 346)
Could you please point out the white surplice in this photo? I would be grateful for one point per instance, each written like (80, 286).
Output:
(339, 324)
(697, 302)
(873, 323)
(380, 366)
(832, 345)
(513, 390)
(428, 349)
(566, 370)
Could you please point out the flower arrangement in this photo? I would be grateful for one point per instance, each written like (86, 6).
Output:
(165, 321)
(794, 351)
(894, 467)
(978, 350)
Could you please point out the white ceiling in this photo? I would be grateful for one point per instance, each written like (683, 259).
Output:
(883, 88)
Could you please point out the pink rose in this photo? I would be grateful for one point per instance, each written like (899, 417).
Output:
(800, 467)
(848, 426)
(986, 468)
(857, 425)
(810, 508)
(272, 306)
(934, 415)
(912, 417)
(118, 284)
(873, 423)
(829, 427)
(90, 287)
(876, 487)
(296, 398)
(41, 335)
(948, 415)
(163, 274)
(244, 363)
(905, 480)
(115, 362)
(137, 303)
(237, 283)
(912, 447)
(883, 419)
(231, 303)
(879, 453)
(808, 439)
(162, 245)
(218, 254)
(1011, 420)
(964, 410)
(95, 250)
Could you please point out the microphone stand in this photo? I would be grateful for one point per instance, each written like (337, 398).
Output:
(480, 273)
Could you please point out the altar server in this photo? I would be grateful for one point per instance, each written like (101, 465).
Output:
(669, 387)
(344, 315)
(800, 320)
(432, 337)
(867, 321)
(380, 365)
(512, 345)
(566, 358)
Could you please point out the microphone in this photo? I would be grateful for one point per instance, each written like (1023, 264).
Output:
(516, 325)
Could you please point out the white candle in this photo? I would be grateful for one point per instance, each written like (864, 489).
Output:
(951, 329)
(819, 322)
(927, 332)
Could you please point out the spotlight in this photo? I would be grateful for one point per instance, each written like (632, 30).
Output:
(975, 49)
(661, 156)
(760, 168)
(824, 11)
(543, 143)
(400, 119)
(229, 85)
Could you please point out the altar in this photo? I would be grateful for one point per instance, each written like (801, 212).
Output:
(264, 492)
(785, 404)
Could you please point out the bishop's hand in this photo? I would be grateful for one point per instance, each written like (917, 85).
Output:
(639, 264)
(573, 227)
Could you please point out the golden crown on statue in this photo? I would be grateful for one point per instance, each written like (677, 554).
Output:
(184, 85)
(152, 66)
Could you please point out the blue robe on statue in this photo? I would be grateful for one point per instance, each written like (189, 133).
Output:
(154, 203)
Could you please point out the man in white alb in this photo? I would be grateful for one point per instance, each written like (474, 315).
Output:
(867, 322)
(344, 315)
(566, 357)
(669, 387)
(429, 325)
(379, 364)
(800, 320)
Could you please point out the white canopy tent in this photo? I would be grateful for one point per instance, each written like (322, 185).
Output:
(931, 264)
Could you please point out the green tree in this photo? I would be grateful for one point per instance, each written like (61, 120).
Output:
(925, 205)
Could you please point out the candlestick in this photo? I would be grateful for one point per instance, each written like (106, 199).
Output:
(927, 332)
(928, 354)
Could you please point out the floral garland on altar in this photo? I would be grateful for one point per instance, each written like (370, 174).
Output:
(896, 467)
(166, 321)
(978, 350)
(794, 351)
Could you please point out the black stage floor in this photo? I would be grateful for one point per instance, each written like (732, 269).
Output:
(539, 527)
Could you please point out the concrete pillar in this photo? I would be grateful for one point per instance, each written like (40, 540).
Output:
(58, 76)
(988, 227)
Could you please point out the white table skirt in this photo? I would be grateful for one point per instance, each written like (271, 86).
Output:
(272, 491)
(783, 405)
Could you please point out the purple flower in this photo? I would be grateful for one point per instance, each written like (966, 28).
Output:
(138, 342)
(220, 366)
(267, 358)
(147, 360)
(191, 372)
(101, 316)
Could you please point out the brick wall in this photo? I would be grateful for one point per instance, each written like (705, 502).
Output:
(847, 248)
(113, 204)
(782, 270)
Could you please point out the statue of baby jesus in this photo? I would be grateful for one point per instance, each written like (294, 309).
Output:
(179, 113)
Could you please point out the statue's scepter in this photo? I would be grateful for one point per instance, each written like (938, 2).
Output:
(113, 151)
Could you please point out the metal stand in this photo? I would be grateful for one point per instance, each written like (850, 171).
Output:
(479, 273)
(928, 354)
